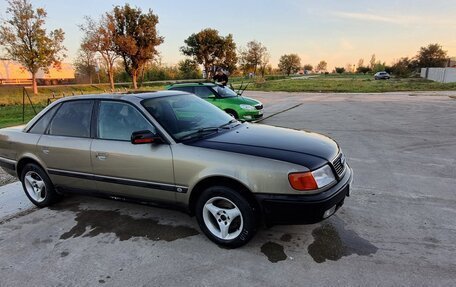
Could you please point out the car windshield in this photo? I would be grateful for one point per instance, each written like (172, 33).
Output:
(187, 116)
(225, 92)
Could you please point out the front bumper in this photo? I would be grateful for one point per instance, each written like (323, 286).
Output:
(304, 209)
(251, 115)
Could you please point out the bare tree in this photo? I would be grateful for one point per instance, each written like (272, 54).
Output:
(26, 41)
(85, 62)
(372, 62)
(99, 38)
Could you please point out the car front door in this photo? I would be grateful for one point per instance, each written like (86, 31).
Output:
(65, 145)
(142, 171)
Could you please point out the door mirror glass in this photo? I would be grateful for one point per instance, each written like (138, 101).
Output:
(143, 137)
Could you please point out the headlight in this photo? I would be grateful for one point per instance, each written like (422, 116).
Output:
(323, 176)
(247, 107)
(312, 180)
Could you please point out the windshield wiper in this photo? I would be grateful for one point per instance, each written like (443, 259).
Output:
(224, 126)
(203, 131)
(200, 132)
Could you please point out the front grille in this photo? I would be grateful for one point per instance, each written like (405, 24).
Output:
(259, 107)
(339, 164)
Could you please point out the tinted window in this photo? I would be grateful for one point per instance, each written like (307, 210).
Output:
(72, 119)
(40, 126)
(117, 121)
(184, 89)
(203, 92)
(182, 115)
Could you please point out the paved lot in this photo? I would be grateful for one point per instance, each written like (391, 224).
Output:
(397, 228)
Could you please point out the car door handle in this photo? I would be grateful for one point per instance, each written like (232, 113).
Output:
(45, 150)
(101, 155)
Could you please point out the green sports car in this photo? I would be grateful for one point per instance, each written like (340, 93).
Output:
(237, 106)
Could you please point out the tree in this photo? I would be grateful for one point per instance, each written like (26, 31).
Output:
(264, 63)
(289, 64)
(349, 68)
(372, 62)
(378, 67)
(211, 50)
(360, 62)
(432, 56)
(253, 56)
(363, 70)
(99, 38)
(85, 62)
(308, 68)
(403, 67)
(135, 38)
(189, 69)
(340, 70)
(26, 41)
(322, 66)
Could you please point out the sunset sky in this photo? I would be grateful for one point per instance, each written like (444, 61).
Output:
(339, 32)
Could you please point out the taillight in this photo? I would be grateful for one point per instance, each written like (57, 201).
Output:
(302, 181)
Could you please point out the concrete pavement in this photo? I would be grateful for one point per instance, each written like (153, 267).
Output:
(397, 228)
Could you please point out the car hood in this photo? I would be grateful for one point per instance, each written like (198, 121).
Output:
(240, 100)
(309, 149)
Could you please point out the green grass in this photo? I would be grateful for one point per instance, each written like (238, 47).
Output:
(11, 97)
(349, 84)
(12, 115)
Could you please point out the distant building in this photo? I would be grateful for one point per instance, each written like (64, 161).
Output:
(451, 62)
(12, 73)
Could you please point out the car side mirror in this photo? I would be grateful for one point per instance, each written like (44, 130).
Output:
(143, 137)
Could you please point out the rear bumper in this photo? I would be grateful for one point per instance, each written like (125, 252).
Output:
(304, 209)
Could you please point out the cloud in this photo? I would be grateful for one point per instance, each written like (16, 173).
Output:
(346, 45)
(396, 19)
(375, 18)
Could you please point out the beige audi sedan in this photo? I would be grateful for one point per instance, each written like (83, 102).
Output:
(173, 148)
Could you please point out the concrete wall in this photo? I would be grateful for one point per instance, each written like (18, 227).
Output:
(442, 75)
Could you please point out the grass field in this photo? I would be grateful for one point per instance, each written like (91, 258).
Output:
(11, 97)
(350, 84)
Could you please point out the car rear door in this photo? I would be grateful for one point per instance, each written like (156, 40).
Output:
(65, 145)
(143, 171)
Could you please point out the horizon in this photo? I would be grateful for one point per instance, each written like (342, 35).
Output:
(339, 33)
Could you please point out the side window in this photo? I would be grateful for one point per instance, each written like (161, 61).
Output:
(40, 126)
(184, 89)
(72, 119)
(117, 121)
(203, 92)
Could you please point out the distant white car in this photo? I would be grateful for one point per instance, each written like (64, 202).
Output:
(382, 76)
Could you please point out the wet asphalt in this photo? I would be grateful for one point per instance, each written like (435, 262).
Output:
(396, 228)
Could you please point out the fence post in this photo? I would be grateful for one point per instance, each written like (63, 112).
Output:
(23, 104)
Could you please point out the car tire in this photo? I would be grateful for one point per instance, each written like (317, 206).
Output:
(233, 114)
(225, 216)
(38, 186)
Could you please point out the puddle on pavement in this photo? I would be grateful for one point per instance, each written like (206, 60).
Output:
(91, 223)
(286, 237)
(332, 242)
(273, 251)
(124, 226)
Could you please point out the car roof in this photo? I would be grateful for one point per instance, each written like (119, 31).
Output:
(124, 96)
(192, 84)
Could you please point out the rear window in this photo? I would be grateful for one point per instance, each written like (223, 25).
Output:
(72, 119)
(40, 126)
(184, 89)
